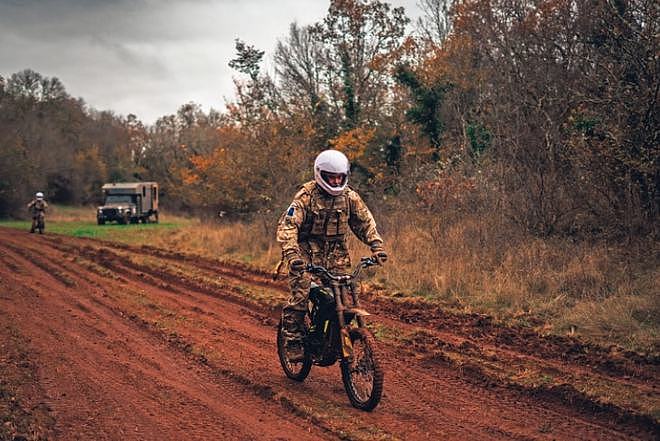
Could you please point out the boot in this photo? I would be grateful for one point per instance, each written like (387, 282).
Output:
(294, 327)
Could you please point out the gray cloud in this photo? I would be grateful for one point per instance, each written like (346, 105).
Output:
(144, 56)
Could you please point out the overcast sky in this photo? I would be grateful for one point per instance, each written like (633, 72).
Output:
(146, 57)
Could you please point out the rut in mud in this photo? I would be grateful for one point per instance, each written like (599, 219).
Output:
(107, 341)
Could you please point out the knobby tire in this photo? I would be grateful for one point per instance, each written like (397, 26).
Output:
(295, 371)
(364, 363)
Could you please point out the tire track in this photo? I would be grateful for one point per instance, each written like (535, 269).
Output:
(88, 369)
(109, 294)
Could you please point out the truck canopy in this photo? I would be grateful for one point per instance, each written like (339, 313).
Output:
(144, 194)
(127, 187)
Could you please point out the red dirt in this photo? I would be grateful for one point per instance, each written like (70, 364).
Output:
(106, 341)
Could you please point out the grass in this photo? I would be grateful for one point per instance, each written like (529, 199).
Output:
(81, 222)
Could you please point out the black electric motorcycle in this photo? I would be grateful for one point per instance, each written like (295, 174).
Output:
(336, 330)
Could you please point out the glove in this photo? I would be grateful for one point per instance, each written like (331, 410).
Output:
(297, 266)
(378, 254)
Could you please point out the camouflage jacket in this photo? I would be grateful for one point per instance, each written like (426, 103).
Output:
(315, 219)
(37, 206)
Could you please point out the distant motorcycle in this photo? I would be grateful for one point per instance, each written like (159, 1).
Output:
(336, 330)
(39, 222)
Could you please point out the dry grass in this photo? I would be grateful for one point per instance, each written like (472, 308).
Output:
(605, 293)
(250, 243)
(63, 213)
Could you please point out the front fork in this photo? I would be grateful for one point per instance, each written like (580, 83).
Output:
(340, 293)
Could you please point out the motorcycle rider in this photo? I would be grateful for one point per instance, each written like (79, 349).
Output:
(313, 230)
(37, 207)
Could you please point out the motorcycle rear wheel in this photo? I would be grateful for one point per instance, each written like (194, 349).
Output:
(361, 373)
(297, 371)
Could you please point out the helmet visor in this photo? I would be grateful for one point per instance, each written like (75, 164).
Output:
(334, 179)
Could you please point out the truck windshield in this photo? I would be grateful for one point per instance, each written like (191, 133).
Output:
(118, 198)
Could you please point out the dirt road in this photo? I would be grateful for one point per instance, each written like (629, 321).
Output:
(101, 341)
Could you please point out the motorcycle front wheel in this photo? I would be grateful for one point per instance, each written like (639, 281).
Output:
(361, 373)
(295, 370)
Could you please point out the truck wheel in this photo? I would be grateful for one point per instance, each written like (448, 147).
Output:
(100, 221)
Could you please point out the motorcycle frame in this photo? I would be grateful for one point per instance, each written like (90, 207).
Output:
(342, 286)
(341, 289)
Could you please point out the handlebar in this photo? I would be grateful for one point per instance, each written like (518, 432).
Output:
(365, 262)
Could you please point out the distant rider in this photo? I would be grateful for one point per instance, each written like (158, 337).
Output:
(37, 207)
(313, 230)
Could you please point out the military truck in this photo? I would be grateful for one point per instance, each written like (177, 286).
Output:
(129, 202)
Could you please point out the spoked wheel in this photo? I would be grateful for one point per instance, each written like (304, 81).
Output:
(362, 375)
(295, 370)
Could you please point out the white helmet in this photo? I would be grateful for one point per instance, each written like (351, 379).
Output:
(331, 161)
(39, 195)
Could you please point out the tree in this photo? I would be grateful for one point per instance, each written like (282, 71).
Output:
(258, 92)
(568, 91)
(358, 37)
(247, 59)
(427, 103)
(299, 68)
(55, 144)
(435, 23)
(32, 85)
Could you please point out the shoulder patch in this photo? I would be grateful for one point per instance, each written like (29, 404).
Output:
(291, 210)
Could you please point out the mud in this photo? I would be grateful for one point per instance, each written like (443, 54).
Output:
(106, 341)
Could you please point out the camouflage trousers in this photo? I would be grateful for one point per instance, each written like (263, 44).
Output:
(336, 259)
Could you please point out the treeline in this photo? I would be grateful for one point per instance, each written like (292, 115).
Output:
(541, 115)
(54, 143)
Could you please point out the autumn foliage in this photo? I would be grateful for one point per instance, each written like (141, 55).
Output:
(544, 112)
